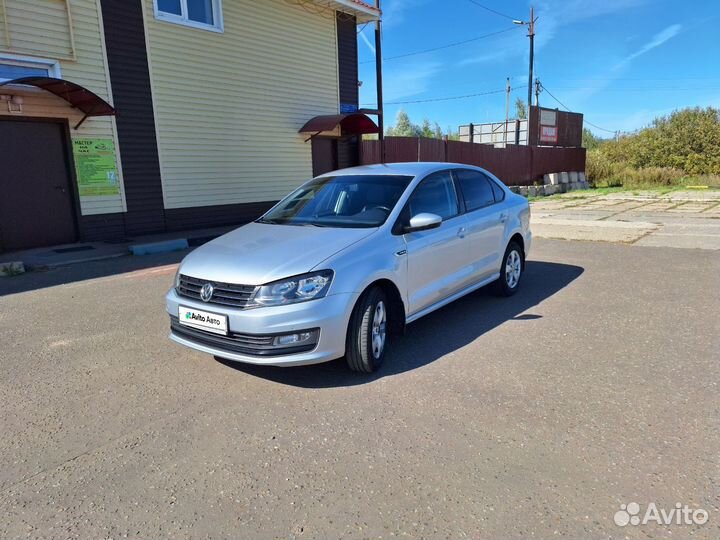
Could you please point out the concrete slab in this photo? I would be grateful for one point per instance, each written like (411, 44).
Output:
(687, 220)
(693, 236)
(599, 231)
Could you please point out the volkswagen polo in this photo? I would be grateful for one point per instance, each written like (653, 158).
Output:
(346, 261)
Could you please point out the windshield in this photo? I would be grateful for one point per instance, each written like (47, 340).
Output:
(340, 201)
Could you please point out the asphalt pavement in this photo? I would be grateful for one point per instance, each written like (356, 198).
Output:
(536, 416)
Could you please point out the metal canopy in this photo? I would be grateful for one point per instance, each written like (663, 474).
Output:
(350, 124)
(77, 96)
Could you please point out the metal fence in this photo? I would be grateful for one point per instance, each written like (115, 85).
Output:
(514, 165)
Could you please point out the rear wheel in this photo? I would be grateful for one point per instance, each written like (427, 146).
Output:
(511, 270)
(367, 333)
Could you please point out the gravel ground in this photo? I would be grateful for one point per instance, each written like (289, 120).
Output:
(535, 416)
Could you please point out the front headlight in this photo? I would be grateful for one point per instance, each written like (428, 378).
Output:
(293, 290)
(176, 282)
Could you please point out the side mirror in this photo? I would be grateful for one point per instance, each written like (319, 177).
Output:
(423, 222)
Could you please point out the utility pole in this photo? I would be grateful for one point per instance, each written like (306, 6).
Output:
(538, 89)
(508, 90)
(379, 81)
(531, 34)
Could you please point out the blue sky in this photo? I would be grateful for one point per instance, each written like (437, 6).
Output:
(620, 62)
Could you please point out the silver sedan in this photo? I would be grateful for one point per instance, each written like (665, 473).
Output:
(346, 261)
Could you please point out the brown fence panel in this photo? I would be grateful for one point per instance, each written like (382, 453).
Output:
(369, 152)
(432, 150)
(402, 149)
(514, 165)
(551, 160)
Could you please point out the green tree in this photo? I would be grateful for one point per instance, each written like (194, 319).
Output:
(590, 140)
(403, 126)
(520, 109)
(426, 130)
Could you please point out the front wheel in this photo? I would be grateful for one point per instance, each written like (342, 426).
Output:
(367, 333)
(511, 270)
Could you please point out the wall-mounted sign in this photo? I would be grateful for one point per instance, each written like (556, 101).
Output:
(548, 134)
(348, 108)
(548, 117)
(96, 167)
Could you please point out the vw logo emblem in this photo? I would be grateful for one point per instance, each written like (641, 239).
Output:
(206, 292)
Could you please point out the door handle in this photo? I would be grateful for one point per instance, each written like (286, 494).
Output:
(503, 217)
(461, 232)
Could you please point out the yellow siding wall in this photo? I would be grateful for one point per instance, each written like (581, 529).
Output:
(39, 28)
(228, 105)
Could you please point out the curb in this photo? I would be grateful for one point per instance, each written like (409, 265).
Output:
(166, 246)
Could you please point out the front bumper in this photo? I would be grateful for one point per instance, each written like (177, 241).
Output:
(330, 314)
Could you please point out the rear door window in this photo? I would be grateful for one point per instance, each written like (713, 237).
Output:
(476, 189)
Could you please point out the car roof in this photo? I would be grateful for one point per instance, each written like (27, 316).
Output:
(414, 168)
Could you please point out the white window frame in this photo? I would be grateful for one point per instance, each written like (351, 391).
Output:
(52, 66)
(184, 21)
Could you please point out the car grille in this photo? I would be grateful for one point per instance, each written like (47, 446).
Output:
(226, 294)
(250, 344)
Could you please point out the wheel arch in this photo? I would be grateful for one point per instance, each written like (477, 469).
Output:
(396, 313)
(518, 238)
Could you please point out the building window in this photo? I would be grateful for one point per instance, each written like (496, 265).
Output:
(16, 67)
(205, 14)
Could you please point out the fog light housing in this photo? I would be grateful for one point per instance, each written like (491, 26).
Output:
(298, 339)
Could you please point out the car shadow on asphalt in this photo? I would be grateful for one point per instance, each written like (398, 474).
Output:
(435, 335)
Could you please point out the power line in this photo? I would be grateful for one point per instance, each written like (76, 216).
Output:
(449, 45)
(549, 93)
(466, 96)
(491, 10)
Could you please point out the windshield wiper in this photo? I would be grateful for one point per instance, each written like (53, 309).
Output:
(267, 221)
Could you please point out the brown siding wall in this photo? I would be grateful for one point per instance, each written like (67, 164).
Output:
(347, 149)
(130, 77)
(569, 124)
(102, 227)
(179, 219)
(347, 60)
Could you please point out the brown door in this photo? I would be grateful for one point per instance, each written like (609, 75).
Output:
(324, 155)
(36, 202)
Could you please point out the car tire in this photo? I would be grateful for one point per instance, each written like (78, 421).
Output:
(511, 270)
(367, 332)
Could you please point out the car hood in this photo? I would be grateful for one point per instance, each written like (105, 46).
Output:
(259, 253)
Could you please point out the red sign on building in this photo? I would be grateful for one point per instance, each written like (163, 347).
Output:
(549, 134)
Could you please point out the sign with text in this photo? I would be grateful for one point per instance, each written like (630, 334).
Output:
(96, 167)
(548, 134)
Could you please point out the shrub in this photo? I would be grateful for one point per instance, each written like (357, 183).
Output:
(685, 143)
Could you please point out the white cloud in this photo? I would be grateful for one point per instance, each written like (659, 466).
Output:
(658, 39)
(367, 41)
(395, 11)
(554, 14)
(408, 80)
